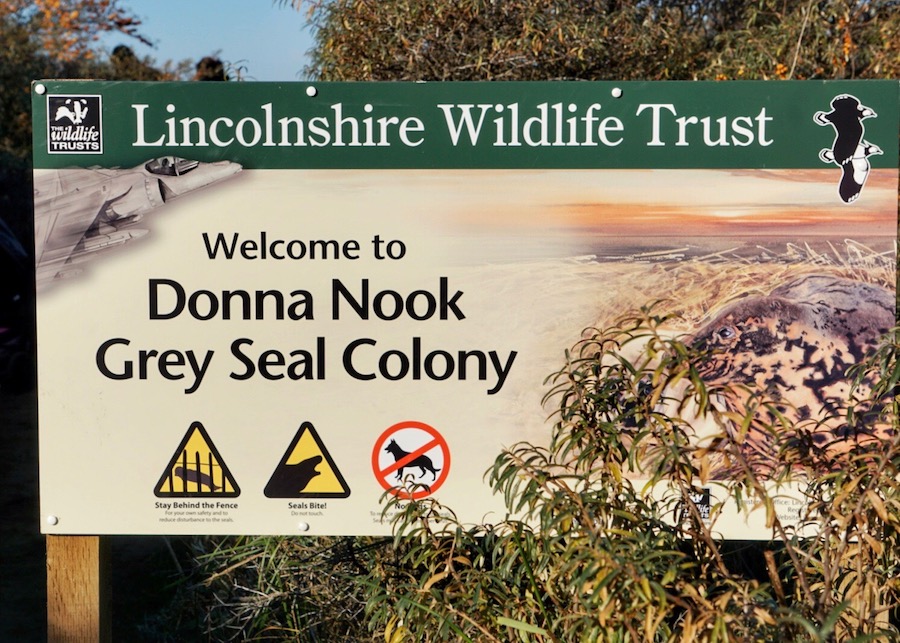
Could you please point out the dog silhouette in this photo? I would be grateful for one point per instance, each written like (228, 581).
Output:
(423, 462)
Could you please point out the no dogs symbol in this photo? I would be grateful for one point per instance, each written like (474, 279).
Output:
(411, 460)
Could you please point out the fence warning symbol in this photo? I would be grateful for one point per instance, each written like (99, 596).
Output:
(197, 470)
(306, 470)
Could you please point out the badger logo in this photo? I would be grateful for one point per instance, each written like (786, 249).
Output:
(74, 124)
(75, 111)
(849, 151)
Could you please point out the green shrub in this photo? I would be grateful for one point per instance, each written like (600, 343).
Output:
(588, 554)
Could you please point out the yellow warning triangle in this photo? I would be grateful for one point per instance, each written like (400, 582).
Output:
(307, 470)
(196, 470)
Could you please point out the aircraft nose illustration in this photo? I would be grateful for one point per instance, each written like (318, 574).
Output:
(81, 213)
(178, 176)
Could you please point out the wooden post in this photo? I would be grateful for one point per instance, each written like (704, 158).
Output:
(78, 590)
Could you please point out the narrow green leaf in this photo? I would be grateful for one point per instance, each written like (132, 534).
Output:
(519, 625)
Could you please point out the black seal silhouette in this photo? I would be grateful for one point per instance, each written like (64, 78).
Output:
(192, 475)
(291, 479)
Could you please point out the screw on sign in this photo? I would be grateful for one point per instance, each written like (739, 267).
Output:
(411, 454)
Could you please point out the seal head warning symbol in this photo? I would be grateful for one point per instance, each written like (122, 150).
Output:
(306, 470)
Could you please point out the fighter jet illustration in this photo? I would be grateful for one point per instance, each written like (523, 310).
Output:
(81, 213)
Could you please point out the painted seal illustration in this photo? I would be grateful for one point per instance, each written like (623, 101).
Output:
(849, 151)
(793, 348)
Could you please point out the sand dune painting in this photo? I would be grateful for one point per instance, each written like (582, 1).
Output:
(689, 204)
(760, 252)
(545, 254)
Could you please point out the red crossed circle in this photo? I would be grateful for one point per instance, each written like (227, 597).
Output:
(418, 439)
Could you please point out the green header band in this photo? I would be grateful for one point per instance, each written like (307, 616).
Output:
(554, 125)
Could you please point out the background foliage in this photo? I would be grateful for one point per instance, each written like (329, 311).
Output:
(597, 40)
(57, 39)
(585, 552)
(592, 556)
(607, 563)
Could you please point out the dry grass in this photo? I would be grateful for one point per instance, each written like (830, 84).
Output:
(269, 589)
(694, 289)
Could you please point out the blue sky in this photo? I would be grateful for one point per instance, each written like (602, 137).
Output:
(267, 41)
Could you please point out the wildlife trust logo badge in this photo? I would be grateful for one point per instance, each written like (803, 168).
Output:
(74, 124)
(850, 151)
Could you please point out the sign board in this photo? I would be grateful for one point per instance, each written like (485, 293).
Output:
(262, 305)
